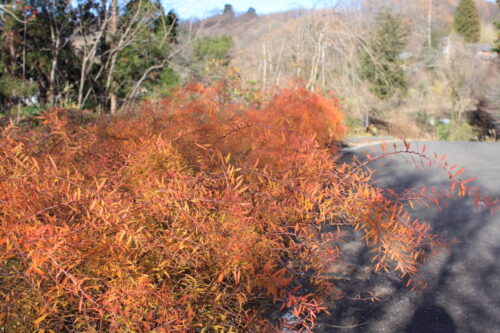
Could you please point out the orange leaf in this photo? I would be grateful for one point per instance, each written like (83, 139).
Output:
(422, 191)
(407, 145)
(469, 180)
(37, 322)
(459, 172)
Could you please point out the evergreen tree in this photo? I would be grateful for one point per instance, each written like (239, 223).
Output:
(36, 52)
(251, 12)
(211, 57)
(209, 49)
(145, 59)
(228, 10)
(467, 22)
(381, 63)
(60, 53)
(173, 24)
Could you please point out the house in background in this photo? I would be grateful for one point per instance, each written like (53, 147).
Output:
(483, 51)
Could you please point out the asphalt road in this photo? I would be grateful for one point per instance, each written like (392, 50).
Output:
(464, 281)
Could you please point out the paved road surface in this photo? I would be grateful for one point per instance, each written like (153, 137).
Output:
(464, 281)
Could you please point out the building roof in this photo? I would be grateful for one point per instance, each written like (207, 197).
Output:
(481, 47)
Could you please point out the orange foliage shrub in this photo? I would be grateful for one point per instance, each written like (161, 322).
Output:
(192, 213)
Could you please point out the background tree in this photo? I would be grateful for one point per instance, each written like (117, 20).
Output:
(211, 57)
(84, 54)
(212, 49)
(251, 12)
(381, 63)
(50, 56)
(497, 24)
(467, 22)
(173, 24)
(142, 62)
(89, 40)
(37, 53)
(228, 10)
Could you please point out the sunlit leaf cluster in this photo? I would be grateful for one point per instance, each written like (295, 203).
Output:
(193, 213)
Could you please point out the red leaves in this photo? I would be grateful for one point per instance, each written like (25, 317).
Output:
(459, 172)
(169, 218)
(179, 216)
(469, 180)
(422, 191)
(407, 145)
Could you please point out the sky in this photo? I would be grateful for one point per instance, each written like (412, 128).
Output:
(203, 8)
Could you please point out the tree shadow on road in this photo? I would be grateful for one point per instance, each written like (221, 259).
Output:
(462, 295)
(431, 319)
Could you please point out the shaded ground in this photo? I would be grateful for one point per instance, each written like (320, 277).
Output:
(463, 293)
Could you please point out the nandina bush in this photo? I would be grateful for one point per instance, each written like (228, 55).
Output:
(194, 213)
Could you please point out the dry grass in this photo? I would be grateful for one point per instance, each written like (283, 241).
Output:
(403, 126)
(488, 33)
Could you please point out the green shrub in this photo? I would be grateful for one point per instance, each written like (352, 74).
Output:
(455, 130)
(212, 49)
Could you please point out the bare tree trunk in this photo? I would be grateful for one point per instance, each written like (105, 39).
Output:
(264, 74)
(279, 63)
(56, 46)
(113, 30)
(88, 61)
(52, 81)
(25, 28)
(429, 25)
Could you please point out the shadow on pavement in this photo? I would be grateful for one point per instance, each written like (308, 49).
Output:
(463, 294)
(431, 319)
